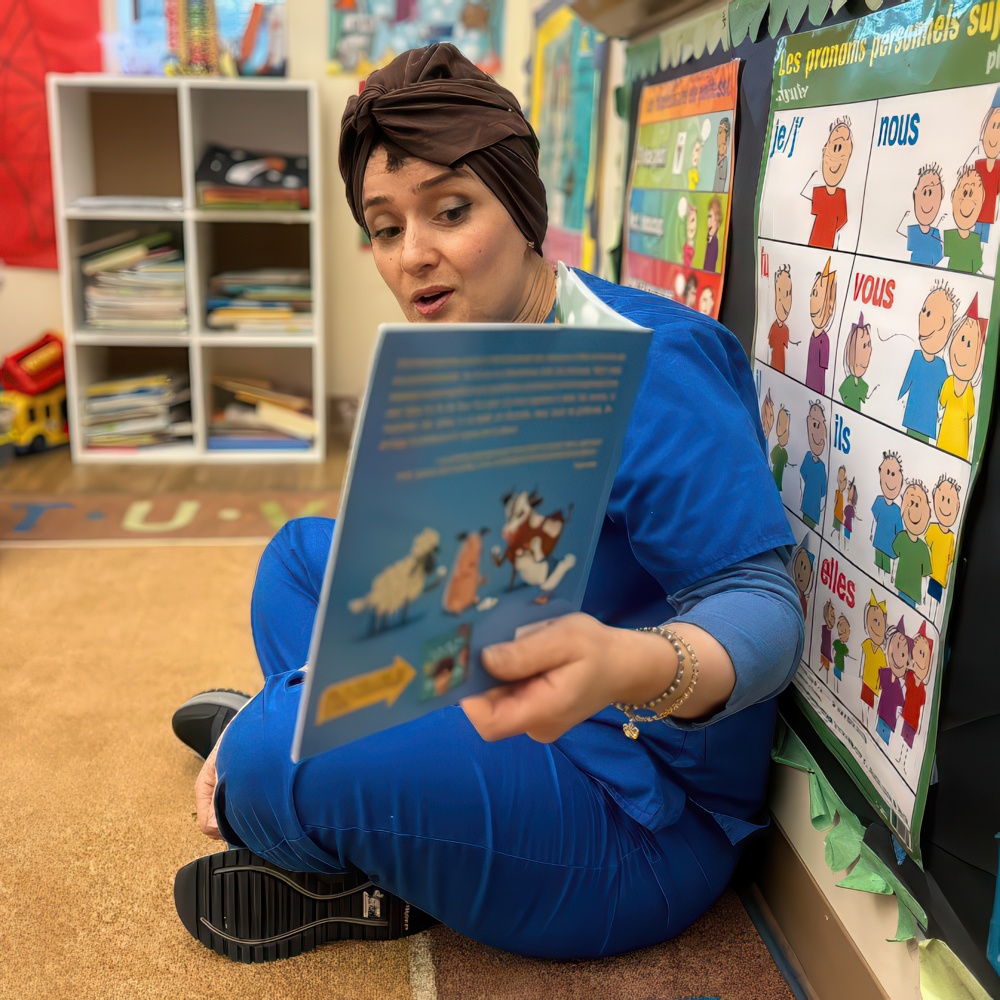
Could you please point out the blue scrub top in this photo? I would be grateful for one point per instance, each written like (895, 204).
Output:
(693, 495)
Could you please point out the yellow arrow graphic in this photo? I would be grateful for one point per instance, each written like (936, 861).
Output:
(385, 684)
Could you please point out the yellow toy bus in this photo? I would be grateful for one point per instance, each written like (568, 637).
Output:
(33, 422)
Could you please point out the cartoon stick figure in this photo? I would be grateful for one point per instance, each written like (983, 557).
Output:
(957, 399)
(767, 414)
(713, 223)
(778, 337)
(828, 200)
(722, 163)
(962, 245)
(927, 371)
(923, 238)
(841, 652)
(826, 635)
(822, 305)
(801, 566)
(857, 357)
(887, 521)
(779, 453)
(691, 291)
(872, 656)
(839, 497)
(690, 230)
(898, 654)
(693, 174)
(988, 170)
(940, 540)
(916, 691)
(813, 471)
(850, 512)
(913, 557)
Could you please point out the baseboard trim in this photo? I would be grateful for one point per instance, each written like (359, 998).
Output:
(819, 948)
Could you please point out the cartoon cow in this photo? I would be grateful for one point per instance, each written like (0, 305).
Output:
(531, 537)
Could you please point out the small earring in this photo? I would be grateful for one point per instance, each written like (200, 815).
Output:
(531, 244)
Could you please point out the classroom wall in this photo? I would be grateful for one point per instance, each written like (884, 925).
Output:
(357, 300)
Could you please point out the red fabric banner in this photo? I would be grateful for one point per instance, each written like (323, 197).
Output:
(36, 37)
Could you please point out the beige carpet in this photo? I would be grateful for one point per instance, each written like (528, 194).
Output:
(97, 647)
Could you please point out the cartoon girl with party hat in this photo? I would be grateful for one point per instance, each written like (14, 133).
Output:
(898, 656)
(916, 690)
(822, 305)
(872, 656)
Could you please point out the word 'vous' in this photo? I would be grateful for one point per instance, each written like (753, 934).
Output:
(874, 291)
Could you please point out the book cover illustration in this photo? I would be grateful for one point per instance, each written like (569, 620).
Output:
(479, 475)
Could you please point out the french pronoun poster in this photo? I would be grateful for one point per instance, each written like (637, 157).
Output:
(874, 354)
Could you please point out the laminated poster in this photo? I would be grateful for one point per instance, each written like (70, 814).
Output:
(201, 37)
(680, 187)
(565, 85)
(368, 34)
(874, 353)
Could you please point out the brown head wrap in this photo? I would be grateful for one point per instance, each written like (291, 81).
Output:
(436, 105)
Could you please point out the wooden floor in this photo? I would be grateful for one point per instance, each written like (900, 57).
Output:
(53, 472)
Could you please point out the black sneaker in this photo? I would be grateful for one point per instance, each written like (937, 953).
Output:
(246, 909)
(200, 720)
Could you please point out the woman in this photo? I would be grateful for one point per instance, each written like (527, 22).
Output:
(525, 818)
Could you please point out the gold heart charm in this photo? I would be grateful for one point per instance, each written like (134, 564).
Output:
(631, 730)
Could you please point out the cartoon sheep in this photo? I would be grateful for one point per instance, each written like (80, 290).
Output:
(397, 586)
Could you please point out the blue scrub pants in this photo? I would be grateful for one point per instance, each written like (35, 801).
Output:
(508, 843)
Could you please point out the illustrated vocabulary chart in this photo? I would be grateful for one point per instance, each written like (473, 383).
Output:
(874, 355)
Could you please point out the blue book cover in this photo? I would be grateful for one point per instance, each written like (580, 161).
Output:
(480, 470)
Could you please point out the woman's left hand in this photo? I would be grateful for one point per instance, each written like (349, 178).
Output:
(564, 672)
(204, 796)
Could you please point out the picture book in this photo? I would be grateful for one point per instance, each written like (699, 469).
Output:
(481, 465)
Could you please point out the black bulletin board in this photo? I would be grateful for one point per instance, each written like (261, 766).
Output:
(958, 882)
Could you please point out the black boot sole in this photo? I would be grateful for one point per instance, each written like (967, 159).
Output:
(200, 721)
(248, 910)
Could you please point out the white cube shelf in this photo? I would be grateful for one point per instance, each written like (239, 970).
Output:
(143, 138)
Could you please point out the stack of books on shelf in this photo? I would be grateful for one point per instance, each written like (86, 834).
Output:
(133, 282)
(263, 300)
(138, 412)
(231, 178)
(252, 413)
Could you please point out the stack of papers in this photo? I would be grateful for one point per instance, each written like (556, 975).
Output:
(134, 282)
(137, 412)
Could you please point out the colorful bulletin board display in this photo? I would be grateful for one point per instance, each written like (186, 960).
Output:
(36, 37)
(201, 37)
(567, 63)
(680, 187)
(875, 350)
(368, 34)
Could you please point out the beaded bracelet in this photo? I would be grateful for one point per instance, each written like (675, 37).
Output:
(684, 652)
